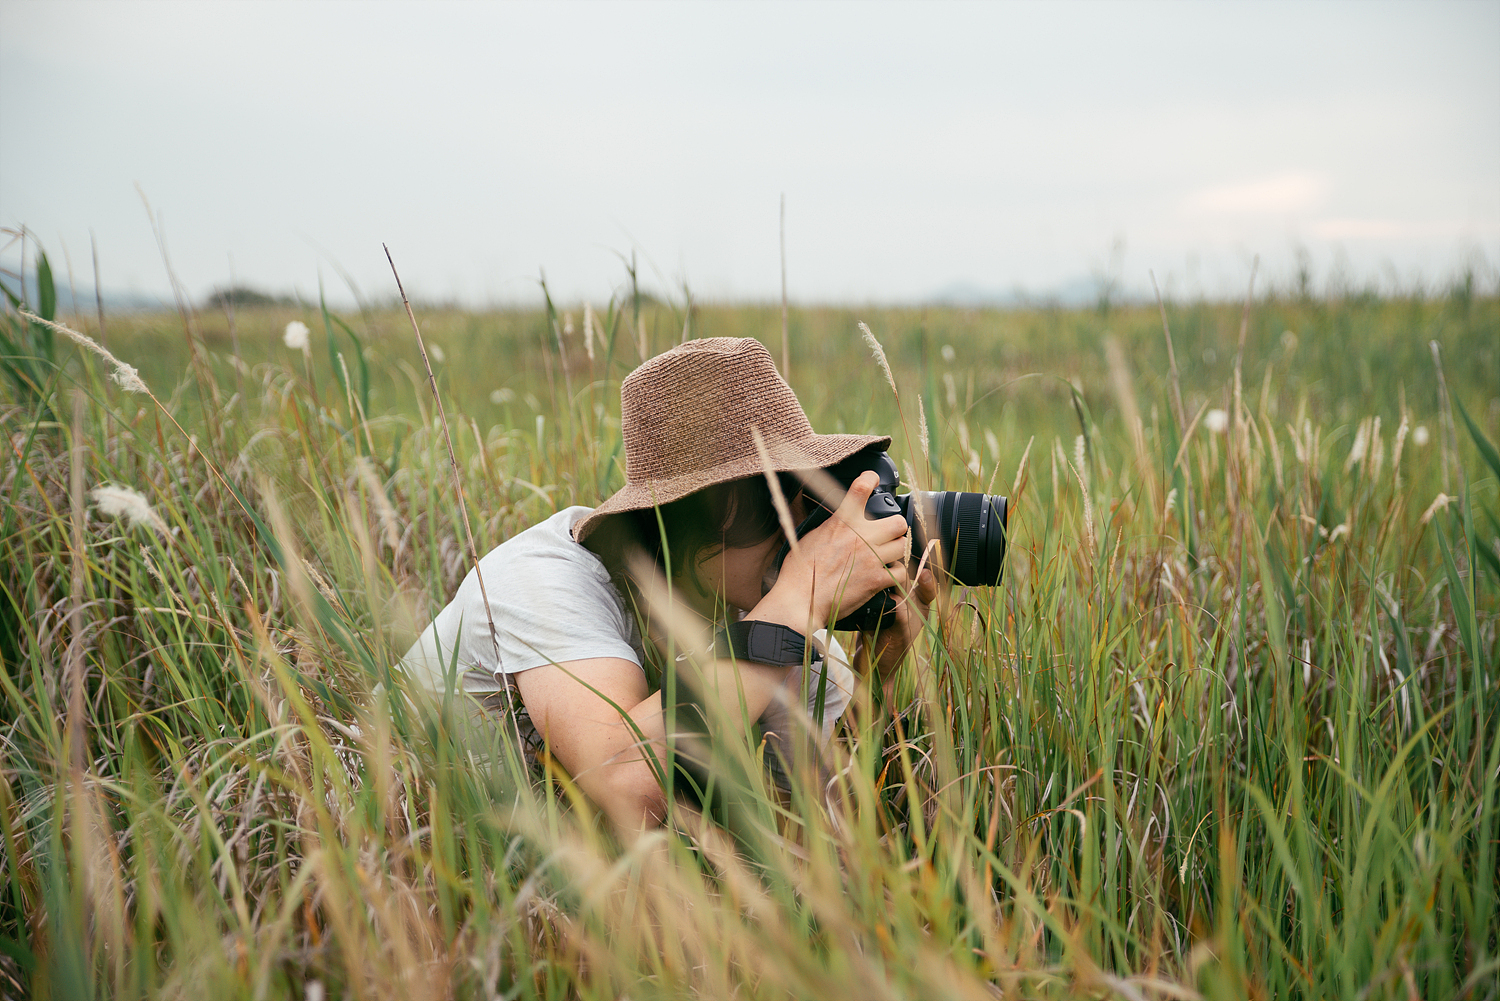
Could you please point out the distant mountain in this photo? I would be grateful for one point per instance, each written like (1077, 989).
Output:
(1080, 291)
(115, 300)
(973, 295)
(1076, 292)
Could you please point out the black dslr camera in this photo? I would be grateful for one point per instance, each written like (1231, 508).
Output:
(969, 527)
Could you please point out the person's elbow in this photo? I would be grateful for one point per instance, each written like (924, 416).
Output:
(633, 798)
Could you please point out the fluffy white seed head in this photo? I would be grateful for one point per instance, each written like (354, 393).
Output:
(1420, 435)
(128, 378)
(1216, 421)
(114, 501)
(297, 336)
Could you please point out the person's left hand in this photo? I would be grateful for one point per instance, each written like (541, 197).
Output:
(892, 642)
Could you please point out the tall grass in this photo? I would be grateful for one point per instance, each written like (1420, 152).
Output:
(1228, 728)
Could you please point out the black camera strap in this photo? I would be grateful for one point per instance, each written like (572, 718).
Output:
(764, 643)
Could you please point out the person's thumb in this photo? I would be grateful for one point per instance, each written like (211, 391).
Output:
(859, 493)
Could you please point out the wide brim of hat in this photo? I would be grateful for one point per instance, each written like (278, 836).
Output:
(817, 451)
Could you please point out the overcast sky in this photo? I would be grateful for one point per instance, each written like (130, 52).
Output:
(920, 147)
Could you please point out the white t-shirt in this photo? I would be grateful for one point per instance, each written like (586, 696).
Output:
(553, 601)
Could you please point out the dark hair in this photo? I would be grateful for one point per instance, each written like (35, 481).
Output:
(688, 530)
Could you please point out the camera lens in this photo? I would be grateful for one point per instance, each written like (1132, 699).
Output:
(972, 529)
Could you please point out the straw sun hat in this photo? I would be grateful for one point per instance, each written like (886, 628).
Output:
(686, 417)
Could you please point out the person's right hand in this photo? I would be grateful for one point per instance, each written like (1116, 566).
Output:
(839, 565)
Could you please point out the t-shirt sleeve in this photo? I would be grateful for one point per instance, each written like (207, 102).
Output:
(549, 607)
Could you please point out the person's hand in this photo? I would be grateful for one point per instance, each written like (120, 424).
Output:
(839, 565)
(892, 642)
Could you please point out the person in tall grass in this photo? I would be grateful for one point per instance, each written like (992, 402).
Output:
(697, 510)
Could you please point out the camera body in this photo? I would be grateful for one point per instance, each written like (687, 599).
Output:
(969, 528)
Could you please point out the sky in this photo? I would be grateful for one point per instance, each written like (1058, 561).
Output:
(923, 150)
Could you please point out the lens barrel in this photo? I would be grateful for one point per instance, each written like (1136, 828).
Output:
(971, 527)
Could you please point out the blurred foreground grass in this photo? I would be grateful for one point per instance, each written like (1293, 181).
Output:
(1229, 727)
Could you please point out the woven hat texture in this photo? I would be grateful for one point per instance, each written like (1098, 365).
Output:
(686, 417)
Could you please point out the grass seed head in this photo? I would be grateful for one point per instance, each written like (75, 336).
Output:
(588, 330)
(1439, 503)
(922, 429)
(879, 353)
(126, 376)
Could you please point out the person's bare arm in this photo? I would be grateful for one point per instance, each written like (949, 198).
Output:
(577, 708)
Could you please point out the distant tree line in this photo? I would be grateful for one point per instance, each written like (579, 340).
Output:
(245, 297)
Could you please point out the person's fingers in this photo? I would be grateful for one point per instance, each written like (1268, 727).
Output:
(893, 551)
(884, 529)
(926, 587)
(852, 510)
(897, 576)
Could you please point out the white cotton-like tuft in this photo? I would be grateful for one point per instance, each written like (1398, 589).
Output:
(1216, 421)
(436, 353)
(948, 353)
(1420, 435)
(129, 379)
(122, 502)
(879, 353)
(297, 336)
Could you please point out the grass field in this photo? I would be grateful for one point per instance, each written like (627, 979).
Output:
(1230, 727)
